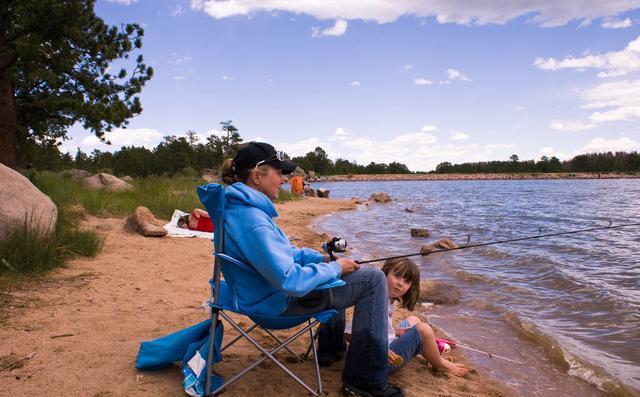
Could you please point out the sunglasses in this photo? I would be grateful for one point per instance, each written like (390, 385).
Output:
(278, 156)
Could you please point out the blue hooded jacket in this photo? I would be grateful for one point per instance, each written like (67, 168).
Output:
(280, 270)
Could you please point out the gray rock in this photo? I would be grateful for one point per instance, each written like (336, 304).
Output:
(380, 197)
(445, 243)
(75, 174)
(418, 232)
(21, 201)
(322, 192)
(439, 293)
(143, 222)
(107, 182)
(309, 192)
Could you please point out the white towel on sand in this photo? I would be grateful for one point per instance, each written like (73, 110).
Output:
(175, 231)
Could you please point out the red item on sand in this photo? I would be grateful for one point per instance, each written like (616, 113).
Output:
(204, 223)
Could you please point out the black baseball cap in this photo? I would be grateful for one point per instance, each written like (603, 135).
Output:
(251, 154)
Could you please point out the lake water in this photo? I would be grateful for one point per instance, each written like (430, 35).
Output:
(567, 307)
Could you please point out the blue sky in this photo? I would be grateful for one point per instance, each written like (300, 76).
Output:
(419, 82)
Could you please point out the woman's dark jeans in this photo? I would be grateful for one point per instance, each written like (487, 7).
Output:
(366, 289)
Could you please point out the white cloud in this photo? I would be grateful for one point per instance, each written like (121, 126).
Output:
(338, 29)
(421, 81)
(119, 137)
(571, 125)
(175, 59)
(616, 23)
(355, 83)
(546, 13)
(549, 151)
(453, 74)
(123, 2)
(406, 68)
(178, 77)
(227, 78)
(459, 136)
(611, 64)
(419, 150)
(616, 101)
(611, 145)
(176, 10)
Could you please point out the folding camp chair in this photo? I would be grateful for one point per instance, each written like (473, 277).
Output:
(224, 300)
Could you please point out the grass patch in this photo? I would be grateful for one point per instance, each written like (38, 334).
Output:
(28, 250)
(161, 195)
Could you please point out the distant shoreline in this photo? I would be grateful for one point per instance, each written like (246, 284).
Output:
(463, 177)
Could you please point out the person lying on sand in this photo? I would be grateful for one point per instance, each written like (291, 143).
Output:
(198, 220)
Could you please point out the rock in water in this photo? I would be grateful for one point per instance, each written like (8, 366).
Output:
(418, 232)
(143, 222)
(322, 192)
(445, 243)
(309, 192)
(106, 181)
(439, 293)
(380, 197)
(21, 201)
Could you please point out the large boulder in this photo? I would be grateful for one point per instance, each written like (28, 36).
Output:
(143, 222)
(127, 179)
(21, 202)
(76, 174)
(107, 182)
(322, 192)
(380, 197)
(439, 292)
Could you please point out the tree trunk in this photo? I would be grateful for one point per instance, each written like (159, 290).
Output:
(8, 122)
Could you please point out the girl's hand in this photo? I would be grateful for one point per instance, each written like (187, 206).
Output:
(400, 331)
(394, 359)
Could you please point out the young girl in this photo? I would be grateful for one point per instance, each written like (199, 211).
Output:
(413, 336)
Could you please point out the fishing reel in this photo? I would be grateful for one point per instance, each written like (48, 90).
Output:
(336, 244)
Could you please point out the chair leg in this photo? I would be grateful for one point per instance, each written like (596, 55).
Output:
(237, 338)
(315, 357)
(314, 337)
(280, 342)
(266, 355)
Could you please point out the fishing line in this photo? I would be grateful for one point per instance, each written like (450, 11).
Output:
(467, 245)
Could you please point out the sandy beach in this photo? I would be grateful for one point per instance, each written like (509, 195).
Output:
(76, 331)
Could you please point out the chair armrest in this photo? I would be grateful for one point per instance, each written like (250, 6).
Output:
(336, 282)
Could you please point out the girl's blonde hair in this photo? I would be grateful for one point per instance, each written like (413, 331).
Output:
(407, 269)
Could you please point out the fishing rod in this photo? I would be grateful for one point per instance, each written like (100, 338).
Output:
(467, 245)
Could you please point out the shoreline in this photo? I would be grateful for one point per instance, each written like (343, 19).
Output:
(475, 177)
(141, 288)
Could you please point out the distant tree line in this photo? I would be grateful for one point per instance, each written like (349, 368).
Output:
(319, 162)
(173, 155)
(591, 162)
(188, 155)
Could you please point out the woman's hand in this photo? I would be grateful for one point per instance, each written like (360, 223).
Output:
(348, 266)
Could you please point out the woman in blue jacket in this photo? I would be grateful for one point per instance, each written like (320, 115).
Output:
(285, 276)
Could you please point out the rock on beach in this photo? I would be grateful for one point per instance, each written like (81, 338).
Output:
(22, 202)
(143, 222)
(107, 182)
(439, 292)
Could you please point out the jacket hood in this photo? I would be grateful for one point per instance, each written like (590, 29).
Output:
(241, 194)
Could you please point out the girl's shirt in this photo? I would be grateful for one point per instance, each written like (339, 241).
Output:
(391, 333)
